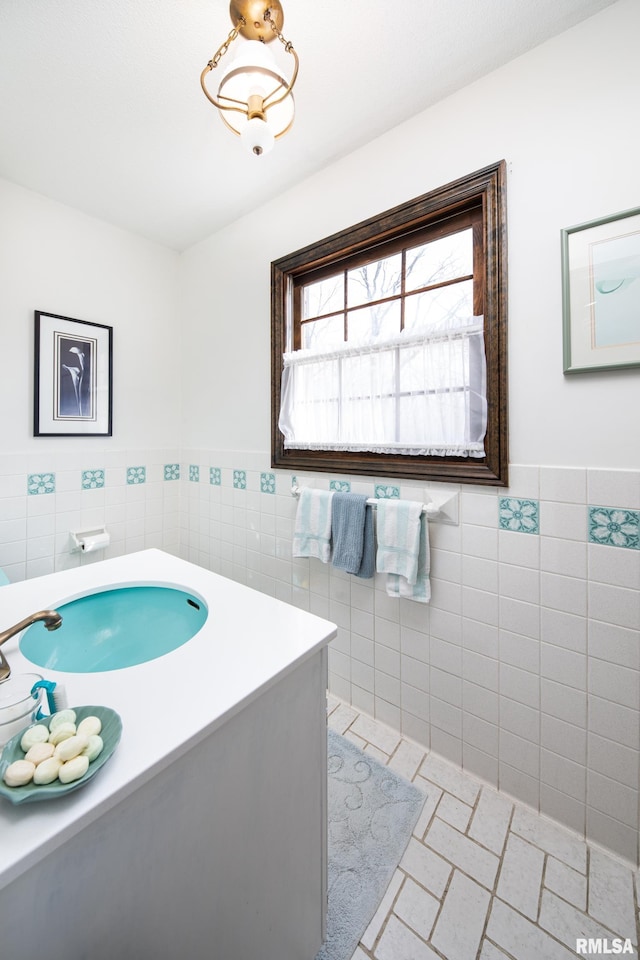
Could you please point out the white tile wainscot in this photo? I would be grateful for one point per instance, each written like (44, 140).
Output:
(217, 788)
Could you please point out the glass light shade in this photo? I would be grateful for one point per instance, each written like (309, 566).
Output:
(257, 137)
(254, 71)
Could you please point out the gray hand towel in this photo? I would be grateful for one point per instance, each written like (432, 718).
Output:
(368, 565)
(347, 530)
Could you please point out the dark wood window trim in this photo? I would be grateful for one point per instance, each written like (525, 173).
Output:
(484, 189)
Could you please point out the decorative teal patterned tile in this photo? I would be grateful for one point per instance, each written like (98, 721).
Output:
(39, 483)
(136, 475)
(172, 471)
(340, 486)
(384, 491)
(92, 479)
(614, 527)
(267, 483)
(194, 473)
(215, 476)
(521, 516)
(240, 479)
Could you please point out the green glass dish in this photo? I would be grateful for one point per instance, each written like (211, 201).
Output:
(30, 792)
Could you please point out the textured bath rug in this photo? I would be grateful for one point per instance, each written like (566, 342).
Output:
(372, 812)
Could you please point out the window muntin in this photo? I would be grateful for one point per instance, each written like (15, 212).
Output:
(421, 287)
(427, 270)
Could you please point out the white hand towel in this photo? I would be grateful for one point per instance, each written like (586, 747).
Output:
(312, 530)
(421, 589)
(399, 538)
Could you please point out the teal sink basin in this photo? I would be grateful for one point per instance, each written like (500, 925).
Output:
(115, 628)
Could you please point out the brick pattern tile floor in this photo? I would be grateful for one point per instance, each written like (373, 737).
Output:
(484, 878)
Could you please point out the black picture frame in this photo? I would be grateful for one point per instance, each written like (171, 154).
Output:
(73, 377)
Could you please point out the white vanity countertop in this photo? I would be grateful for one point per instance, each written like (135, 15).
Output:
(247, 643)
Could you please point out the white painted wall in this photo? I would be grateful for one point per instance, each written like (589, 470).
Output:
(564, 116)
(56, 259)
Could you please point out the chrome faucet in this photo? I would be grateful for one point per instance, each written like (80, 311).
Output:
(51, 620)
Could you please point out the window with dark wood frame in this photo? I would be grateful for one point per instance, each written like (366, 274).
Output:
(477, 203)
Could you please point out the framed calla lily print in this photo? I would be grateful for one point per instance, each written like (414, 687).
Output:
(601, 293)
(73, 377)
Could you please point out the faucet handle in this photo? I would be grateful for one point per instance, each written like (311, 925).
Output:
(5, 669)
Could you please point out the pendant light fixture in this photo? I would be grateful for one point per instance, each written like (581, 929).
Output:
(254, 96)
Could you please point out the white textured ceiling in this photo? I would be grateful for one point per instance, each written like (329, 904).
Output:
(101, 107)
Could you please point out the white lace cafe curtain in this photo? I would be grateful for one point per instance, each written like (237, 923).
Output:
(412, 394)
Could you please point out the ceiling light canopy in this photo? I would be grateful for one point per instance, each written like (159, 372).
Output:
(254, 96)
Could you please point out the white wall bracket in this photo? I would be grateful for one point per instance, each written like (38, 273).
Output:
(444, 508)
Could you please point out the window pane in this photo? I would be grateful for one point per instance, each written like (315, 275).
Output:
(440, 260)
(439, 366)
(374, 281)
(443, 416)
(444, 308)
(369, 375)
(368, 402)
(316, 409)
(371, 323)
(325, 296)
(323, 334)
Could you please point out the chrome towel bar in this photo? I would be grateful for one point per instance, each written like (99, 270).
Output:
(445, 511)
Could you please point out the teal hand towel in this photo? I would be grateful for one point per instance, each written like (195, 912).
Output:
(347, 531)
(398, 538)
(312, 528)
(420, 590)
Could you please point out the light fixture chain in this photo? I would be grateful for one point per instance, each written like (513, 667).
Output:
(219, 54)
(286, 43)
